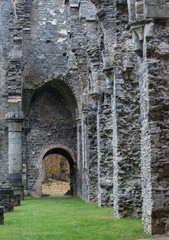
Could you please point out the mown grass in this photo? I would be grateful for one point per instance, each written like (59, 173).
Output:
(67, 219)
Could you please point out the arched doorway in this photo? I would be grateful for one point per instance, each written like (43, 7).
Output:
(68, 154)
(55, 175)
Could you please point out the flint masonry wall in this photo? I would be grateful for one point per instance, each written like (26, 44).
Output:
(122, 91)
(105, 163)
(159, 124)
(78, 75)
(126, 91)
(45, 42)
(148, 40)
(154, 111)
(92, 146)
(98, 101)
(87, 14)
(6, 19)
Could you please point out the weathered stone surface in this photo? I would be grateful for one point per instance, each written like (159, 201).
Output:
(91, 78)
(156, 11)
(15, 151)
(154, 113)
(7, 198)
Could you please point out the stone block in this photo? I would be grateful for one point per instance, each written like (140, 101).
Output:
(122, 2)
(74, 3)
(139, 7)
(108, 61)
(153, 2)
(7, 198)
(87, 11)
(166, 170)
(149, 30)
(2, 210)
(157, 12)
(157, 229)
(17, 200)
(167, 229)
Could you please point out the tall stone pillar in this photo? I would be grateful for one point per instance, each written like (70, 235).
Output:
(79, 156)
(15, 151)
(104, 150)
(85, 165)
(126, 146)
(92, 153)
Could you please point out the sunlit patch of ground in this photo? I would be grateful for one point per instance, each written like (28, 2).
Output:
(55, 188)
(158, 237)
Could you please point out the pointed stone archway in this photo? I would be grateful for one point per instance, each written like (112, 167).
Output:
(51, 118)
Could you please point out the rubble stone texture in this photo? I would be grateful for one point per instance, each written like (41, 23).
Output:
(88, 79)
(7, 198)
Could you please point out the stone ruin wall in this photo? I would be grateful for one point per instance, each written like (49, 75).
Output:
(152, 41)
(44, 44)
(46, 113)
(112, 68)
(154, 114)
(118, 95)
(5, 24)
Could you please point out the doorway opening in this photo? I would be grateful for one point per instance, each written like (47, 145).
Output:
(55, 175)
(58, 171)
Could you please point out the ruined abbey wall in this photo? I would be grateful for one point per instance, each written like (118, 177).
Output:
(91, 76)
(46, 113)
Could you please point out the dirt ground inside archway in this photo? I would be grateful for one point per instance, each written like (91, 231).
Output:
(55, 188)
(158, 237)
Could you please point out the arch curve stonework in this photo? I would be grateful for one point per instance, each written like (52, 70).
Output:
(58, 146)
(66, 152)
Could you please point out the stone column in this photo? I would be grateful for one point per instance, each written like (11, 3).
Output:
(79, 156)
(104, 150)
(15, 151)
(85, 168)
(92, 154)
(126, 146)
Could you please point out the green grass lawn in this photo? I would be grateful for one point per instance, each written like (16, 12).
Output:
(67, 219)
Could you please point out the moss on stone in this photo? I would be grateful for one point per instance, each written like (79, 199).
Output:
(30, 85)
(6, 72)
